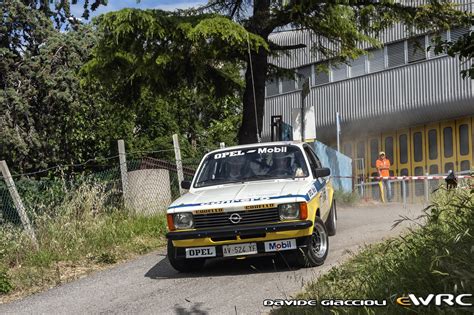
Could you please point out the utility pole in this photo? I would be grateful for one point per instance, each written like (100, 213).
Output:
(304, 94)
(338, 129)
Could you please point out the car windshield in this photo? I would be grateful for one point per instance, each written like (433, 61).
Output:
(249, 164)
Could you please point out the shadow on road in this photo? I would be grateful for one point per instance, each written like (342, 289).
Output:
(223, 267)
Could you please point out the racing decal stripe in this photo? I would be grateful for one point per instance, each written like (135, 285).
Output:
(317, 185)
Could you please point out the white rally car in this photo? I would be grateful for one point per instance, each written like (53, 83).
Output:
(264, 198)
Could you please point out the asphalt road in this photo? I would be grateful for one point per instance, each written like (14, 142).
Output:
(150, 285)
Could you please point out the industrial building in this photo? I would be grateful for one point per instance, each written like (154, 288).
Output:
(402, 99)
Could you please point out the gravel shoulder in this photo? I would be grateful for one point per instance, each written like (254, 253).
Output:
(150, 285)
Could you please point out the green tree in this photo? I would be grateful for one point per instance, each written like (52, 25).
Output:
(168, 50)
(46, 118)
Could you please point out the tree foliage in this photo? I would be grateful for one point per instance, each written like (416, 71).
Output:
(51, 115)
(165, 51)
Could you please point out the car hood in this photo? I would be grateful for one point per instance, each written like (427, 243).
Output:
(242, 194)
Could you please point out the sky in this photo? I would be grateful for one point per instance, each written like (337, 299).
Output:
(114, 5)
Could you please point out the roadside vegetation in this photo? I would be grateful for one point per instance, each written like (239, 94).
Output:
(82, 233)
(436, 257)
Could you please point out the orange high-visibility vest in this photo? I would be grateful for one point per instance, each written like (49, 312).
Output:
(383, 164)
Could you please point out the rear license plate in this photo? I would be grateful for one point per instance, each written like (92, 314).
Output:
(275, 246)
(198, 252)
(239, 249)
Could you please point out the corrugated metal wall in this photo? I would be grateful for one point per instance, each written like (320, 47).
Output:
(432, 89)
(303, 56)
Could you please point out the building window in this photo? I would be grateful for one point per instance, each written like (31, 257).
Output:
(432, 42)
(448, 167)
(448, 142)
(417, 146)
(465, 166)
(303, 73)
(348, 149)
(456, 33)
(389, 149)
(433, 169)
(403, 141)
(416, 49)
(272, 87)
(432, 144)
(287, 85)
(361, 150)
(404, 172)
(339, 72)
(357, 66)
(396, 54)
(374, 151)
(276, 128)
(463, 139)
(321, 76)
(376, 60)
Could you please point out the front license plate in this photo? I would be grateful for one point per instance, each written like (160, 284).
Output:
(198, 252)
(239, 249)
(275, 246)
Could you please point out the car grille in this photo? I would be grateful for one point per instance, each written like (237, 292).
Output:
(247, 217)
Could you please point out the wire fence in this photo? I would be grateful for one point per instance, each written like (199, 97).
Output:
(151, 184)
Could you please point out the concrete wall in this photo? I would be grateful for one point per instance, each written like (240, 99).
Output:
(149, 191)
(340, 165)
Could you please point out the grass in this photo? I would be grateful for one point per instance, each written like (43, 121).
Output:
(80, 235)
(437, 257)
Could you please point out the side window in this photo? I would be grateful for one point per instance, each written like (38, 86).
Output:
(313, 159)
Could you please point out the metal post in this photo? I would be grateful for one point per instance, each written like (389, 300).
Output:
(18, 202)
(404, 193)
(427, 189)
(123, 171)
(179, 165)
(304, 93)
(338, 130)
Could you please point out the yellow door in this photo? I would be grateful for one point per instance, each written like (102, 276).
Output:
(403, 155)
(433, 153)
(448, 146)
(463, 144)
(418, 161)
(374, 148)
(389, 145)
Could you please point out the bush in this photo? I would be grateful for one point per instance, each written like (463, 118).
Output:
(437, 257)
(83, 230)
(5, 285)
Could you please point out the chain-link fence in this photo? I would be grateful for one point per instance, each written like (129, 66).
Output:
(410, 189)
(148, 186)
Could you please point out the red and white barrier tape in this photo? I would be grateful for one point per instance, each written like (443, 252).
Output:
(404, 177)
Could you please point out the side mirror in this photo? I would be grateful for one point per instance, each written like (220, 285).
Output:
(322, 172)
(185, 184)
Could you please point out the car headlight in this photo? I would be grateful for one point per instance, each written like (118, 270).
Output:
(289, 211)
(183, 220)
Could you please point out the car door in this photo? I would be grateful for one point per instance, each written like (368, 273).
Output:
(321, 183)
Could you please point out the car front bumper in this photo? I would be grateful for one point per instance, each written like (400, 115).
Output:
(240, 232)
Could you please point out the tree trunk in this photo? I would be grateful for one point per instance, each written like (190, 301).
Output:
(253, 105)
(248, 130)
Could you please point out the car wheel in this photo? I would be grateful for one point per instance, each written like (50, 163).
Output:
(331, 222)
(183, 264)
(316, 251)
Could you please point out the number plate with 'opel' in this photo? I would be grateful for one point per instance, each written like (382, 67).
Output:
(198, 252)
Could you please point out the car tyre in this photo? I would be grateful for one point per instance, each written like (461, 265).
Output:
(331, 222)
(317, 246)
(183, 264)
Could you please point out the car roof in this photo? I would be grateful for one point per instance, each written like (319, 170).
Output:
(256, 145)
